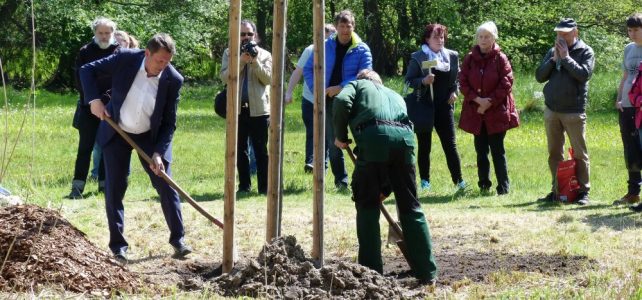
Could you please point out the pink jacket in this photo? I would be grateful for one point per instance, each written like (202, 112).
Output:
(635, 96)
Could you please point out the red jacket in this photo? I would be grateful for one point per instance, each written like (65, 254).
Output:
(490, 76)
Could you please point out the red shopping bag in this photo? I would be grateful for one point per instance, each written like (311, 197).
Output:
(567, 185)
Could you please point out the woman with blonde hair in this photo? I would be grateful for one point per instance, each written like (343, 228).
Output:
(126, 40)
(488, 111)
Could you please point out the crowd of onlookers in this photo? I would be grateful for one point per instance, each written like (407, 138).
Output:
(384, 124)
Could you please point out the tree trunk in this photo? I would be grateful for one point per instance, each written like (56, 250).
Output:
(333, 10)
(383, 61)
(263, 10)
(63, 77)
(405, 39)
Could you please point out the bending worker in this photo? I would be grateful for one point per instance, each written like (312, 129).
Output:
(385, 140)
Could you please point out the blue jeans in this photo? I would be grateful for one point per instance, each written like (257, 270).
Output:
(97, 154)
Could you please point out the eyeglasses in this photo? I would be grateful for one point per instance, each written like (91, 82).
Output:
(247, 33)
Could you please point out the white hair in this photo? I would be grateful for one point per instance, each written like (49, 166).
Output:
(102, 21)
(489, 27)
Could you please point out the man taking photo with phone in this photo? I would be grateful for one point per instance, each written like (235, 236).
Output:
(566, 69)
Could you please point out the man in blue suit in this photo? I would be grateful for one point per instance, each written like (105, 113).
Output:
(145, 93)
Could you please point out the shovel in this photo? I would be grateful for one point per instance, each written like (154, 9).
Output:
(429, 64)
(393, 225)
(163, 175)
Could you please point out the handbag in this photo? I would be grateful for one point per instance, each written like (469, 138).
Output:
(566, 180)
(220, 103)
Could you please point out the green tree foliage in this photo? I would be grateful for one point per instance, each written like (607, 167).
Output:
(391, 27)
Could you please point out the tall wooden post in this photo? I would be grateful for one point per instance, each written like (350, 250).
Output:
(319, 130)
(231, 134)
(276, 116)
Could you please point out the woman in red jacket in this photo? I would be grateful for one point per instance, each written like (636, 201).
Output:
(486, 80)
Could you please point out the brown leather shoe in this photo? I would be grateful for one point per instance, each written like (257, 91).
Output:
(627, 199)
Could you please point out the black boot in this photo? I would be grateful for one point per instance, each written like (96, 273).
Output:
(77, 187)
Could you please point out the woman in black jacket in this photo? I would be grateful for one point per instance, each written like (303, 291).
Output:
(432, 73)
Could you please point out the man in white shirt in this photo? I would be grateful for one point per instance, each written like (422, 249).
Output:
(145, 94)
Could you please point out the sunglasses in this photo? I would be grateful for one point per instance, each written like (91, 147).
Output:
(247, 33)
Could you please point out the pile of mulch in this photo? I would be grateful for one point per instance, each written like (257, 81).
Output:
(45, 250)
(282, 271)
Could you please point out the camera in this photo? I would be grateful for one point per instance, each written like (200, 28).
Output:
(250, 48)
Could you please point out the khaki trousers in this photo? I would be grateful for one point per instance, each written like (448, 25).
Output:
(574, 124)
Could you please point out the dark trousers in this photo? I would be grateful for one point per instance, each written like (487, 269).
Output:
(337, 163)
(116, 156)
(444, 124)
(368, 180)
(632, 151)
(256, 129)
(307, 114)
(87, 125)
(494, 142)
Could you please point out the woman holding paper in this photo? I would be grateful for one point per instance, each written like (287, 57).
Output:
(486, 80)
(432, 73)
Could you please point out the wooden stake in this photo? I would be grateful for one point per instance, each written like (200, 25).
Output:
(319, 130)
(231, 134)
(276, 116)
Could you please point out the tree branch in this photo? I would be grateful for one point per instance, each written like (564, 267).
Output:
(128, 3)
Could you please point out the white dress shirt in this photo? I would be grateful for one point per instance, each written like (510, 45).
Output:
(139, 104)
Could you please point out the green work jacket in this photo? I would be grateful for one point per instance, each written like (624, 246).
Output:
(377, 118)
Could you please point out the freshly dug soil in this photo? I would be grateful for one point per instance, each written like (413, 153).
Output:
(45, 250)
(282, 271)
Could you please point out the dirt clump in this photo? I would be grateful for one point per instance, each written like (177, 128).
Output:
(282, 271)
(39, 248)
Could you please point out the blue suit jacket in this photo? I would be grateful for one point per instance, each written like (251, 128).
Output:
(123, 66)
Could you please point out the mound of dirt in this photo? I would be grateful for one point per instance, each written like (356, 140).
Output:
(282, 271)
(45, 250)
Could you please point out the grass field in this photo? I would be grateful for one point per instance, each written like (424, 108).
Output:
(465, 224)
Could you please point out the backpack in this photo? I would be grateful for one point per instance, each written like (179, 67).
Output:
(220, 103)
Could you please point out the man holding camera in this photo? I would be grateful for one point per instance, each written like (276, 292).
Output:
(566, 69)
(254, 106)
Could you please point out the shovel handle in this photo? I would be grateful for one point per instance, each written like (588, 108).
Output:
(163, 175)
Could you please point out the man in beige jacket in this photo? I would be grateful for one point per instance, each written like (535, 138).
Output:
(254, 106)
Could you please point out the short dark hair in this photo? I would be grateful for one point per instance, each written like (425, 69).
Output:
(437, 28)
(344, 16)
(257, 38)
(161, 41)
(635, 20)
